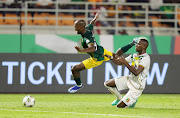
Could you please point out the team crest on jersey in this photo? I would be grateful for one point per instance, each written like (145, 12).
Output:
(127, 100)
(87, 41)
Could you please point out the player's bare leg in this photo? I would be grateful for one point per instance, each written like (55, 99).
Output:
(76, 70)
(110, 84)
(121, 104)
(76, 74)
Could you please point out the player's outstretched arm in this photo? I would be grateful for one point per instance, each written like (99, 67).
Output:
(125, 48)
(119, 52)
(115, 59)
(95, 18)
(90, 49)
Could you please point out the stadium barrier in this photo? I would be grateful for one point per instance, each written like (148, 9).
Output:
(52, 43)
(60, 20)
(51, 73)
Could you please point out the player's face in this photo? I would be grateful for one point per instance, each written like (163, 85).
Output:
(77, 28)
(139, 46)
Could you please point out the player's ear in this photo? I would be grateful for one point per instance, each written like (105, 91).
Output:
(143, 46)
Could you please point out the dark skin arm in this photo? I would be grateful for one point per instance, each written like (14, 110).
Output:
(136, 72)
(95, 18)
(90, 48)
(121, 60)
(119, 52)
(115, 58)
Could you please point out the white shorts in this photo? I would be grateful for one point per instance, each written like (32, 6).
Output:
(131, 96)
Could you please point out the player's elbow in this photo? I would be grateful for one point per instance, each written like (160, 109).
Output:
(136, 74)
(120, 63)
(93, 22)
(93, 49)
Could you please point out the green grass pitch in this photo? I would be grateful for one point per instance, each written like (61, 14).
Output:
(88, 106)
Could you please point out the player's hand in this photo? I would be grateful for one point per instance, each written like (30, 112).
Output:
(108, 56)
(122, 59)
(78, 49)
(112, 57)
(135, 40)
(97, 14)
(95, 18)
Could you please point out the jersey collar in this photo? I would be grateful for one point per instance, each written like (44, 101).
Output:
(83, 35)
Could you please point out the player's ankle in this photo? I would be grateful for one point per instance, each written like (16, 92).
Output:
(79, 85)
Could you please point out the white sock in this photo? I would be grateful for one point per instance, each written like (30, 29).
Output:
(113, 90)
(79, 85)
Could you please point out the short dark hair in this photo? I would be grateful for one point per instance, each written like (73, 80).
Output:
(81, 22)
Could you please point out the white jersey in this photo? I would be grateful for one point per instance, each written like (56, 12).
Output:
(143, 60)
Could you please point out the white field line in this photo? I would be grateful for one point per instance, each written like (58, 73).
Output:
(95, 114)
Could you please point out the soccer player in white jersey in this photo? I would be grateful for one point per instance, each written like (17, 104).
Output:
(136, 81)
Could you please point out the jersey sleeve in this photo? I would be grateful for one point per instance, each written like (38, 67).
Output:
(90, 27)
(129, 58)
(144, 62)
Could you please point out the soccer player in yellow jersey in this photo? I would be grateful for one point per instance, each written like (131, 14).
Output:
(95, 51)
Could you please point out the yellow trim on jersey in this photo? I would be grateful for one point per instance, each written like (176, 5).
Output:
(90, 43)
(141, 66)
(92, 62)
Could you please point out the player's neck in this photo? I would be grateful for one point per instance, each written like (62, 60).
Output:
(142, 52)
(83, 32)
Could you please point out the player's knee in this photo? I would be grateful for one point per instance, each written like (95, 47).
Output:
(106, 84)
(74, 68)
(121, 105)
(118, 106)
